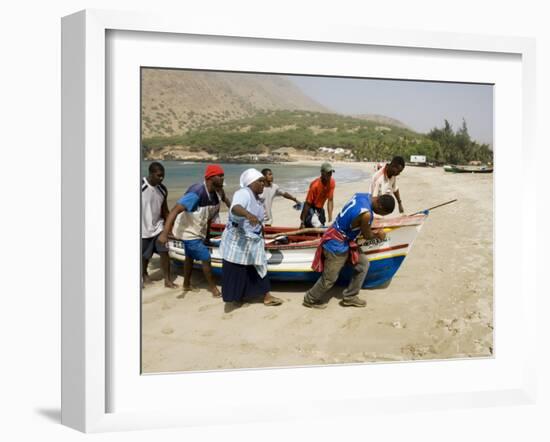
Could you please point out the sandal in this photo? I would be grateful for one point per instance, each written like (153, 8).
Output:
(272, 301)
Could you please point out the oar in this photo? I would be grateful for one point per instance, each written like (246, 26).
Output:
(434, 207)
(277, 238)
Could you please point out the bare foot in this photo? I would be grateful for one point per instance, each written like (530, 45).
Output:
(145, 279)
(190, 289)
(215, 292)
(170, 285)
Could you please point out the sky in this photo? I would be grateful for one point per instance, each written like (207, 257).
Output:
(420, 105)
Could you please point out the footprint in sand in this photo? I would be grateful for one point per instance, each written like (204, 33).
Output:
(394, 324)
(271, 316)
(417, 351)
(165, 306)
(206, 307)
(474, 316)
(247, 346)
(167, 331)
(306, 348)
(207, 333)
(351, 323)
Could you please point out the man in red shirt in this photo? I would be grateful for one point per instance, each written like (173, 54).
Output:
(320, 191)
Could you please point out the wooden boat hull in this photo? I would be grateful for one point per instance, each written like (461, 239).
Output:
(292, 262)
(467, 169)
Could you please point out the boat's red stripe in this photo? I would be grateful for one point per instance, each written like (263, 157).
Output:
(312, 244)
(387, 249)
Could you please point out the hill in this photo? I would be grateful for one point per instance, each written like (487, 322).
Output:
(176, 101)
(268, 131)
(382, 119)
(199, 115)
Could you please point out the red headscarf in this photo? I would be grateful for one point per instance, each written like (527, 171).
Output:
(213, 170)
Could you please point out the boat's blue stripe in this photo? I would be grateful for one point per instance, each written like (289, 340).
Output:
(380, 272)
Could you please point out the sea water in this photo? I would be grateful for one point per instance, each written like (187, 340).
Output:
(291, 178)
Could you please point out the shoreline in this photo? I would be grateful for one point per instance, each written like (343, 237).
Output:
(366, 169)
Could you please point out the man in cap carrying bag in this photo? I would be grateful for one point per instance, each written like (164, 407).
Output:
(320, 191)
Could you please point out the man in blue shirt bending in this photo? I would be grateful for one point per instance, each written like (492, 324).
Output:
(338, 245)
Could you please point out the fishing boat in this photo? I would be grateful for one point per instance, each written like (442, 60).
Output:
(290, 251)
(467, 169)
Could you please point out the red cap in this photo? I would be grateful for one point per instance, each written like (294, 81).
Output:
(213, 170)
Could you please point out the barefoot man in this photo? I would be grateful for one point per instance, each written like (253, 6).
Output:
(271, 190)
(154, 211)
(195, 211)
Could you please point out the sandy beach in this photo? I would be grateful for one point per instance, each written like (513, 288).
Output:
(438, 306)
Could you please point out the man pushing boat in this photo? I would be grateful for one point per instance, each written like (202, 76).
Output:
(154, 210)
(384, 181)
(320, 191)
(338, 245)
(195, 212)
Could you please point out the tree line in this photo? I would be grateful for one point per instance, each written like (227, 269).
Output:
(367, 140)
(441, 145)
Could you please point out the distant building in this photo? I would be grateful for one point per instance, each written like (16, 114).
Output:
(420, 159)
(284, 151)
(334, 151)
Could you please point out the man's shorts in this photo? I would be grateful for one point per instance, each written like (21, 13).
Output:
(150, 246)
(196, 249)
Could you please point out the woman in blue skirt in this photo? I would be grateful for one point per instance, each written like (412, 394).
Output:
(244, 268)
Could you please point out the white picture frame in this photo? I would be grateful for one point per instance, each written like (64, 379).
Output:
(86, 315)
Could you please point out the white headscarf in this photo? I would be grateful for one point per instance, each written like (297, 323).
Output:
(249, 176)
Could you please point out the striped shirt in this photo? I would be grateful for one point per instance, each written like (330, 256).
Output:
(152, 198)
(201, 206)
(241, 242)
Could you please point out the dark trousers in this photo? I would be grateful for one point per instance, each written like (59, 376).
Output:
(320, 214)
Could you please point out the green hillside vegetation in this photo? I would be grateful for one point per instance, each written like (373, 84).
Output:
(368, 140)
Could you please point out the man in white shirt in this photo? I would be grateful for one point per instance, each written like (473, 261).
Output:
(272, 190)
(384, 180)
(154, 211)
